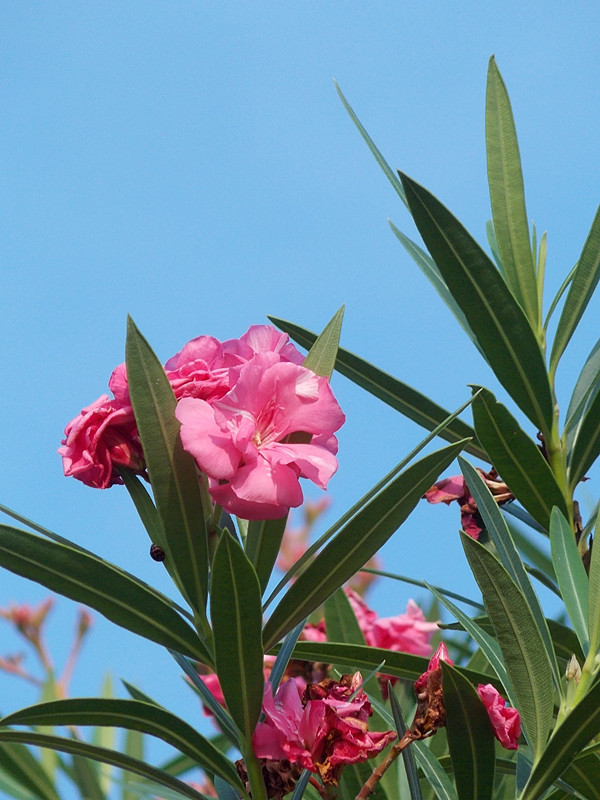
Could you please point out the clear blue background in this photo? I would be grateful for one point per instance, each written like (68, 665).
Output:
(190, 163)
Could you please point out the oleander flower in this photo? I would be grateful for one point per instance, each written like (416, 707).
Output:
(100, 438)
(321, 730)
(506, 722)
(244, 441)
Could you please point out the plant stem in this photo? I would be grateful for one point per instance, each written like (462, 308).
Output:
(379, 771)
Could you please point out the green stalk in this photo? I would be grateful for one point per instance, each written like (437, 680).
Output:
(255, 777)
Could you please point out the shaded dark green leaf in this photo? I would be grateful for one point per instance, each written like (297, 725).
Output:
(496, 318)
(571, 576)
(88, 579)
(587, 386)
(470, 737)
(236, 614)
(356, 543)
(17, 761)
(517, 458)
(172, 471)
(586, 446)
(262, 546)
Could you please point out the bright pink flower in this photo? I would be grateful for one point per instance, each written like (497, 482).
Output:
(261, 339)
(242, 441)
(408, 633)
(322, 730)
(101, 437)
(441, 654)
(506, 722)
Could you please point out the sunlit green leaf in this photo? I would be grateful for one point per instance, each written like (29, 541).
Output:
(495, 317)
(398, 395)
(571, 576)
(172, 471)
(131, 715)
(322, 355)
(517, 458)
(507, 194)
(356, 543)
(88, 579)
(236, 615)
(470, 737)
(580, 292)
(525, 656)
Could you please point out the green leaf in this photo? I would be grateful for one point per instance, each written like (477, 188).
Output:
(88, 579)
(571, 576)
(517, 458)
(103, 755)
(367, 659)
(429, 268)
(262, 546)
(86, 779)
(576, 731)
(583, 284)
(507, 194)
(584, 774)
(394, 393)
(134, 748)
(508, 553)
(587, 386)
(340, 620)
(145, 507)
(356, 543)
(236, 615)
(594, 594)
(131, 715)
(525, 656)
(470, 737)
(495, 317)
(434, 772)
(586, 446)
(322, 355)
(408, 756)
(172, 471)
(18, 762)
(388, 171)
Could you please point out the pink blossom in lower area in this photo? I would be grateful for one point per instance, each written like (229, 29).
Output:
(247, 441)
(506, 722)
(455, 489)
(321, 730)
(100, 438)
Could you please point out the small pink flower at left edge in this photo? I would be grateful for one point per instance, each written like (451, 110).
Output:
(242, 441)
(506, 722)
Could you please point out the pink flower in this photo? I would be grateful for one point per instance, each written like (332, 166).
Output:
(408, 633)
(101, 437)
(506, 722)
(242, 441)
(456, 489)
(322, 730)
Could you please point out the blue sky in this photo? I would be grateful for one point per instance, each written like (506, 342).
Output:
(190, 164)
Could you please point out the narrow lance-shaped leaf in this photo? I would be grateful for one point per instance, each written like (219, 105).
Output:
(588, 384)
(576, 731)
(507, 195)
(356, 542)
(586, 446)
(470, 737)
(131, 715)
(322, 355)
(522, 646)
(585, 279)
(517, 458)
(172, 471)
(571, 576)
(236, 615)
(88, 579)
(495, 317)
(19, 762)
(509, 555)
(76, 747)
(398, 395)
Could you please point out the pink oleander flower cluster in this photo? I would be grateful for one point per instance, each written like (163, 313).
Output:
(506, 722)
(322, 729)
(455, 489)
(252, 416)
